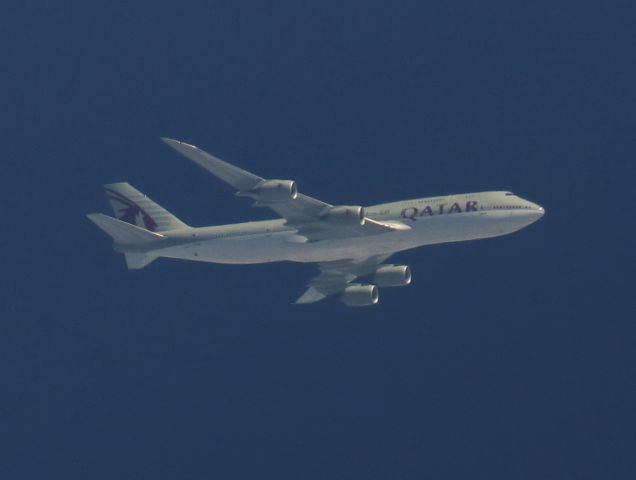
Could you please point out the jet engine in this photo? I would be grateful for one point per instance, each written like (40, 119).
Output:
(272, 191)
(392, 276)
(360, 295)
(345, 215)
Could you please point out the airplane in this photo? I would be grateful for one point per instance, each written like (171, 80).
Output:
(347, 242)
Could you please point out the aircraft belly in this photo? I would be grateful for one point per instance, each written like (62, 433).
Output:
(244, 250)
(472, 226)
(282, 246)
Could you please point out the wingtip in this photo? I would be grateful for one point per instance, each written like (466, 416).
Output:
(115, 185)
(176, 143)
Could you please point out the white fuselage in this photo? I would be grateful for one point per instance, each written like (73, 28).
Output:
(452, 218)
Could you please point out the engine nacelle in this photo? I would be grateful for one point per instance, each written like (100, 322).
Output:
(345, 215)
(272, 191)
(360, 295)
(392, 276)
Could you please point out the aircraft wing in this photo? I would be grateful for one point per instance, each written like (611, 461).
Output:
(301, 211)
(334, 277)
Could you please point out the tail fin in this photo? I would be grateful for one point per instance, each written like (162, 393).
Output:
(125, 234)
(132, 206)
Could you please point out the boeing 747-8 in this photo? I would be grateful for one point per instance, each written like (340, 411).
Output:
(348, 242)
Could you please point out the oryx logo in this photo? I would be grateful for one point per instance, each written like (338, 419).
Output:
(128, 211)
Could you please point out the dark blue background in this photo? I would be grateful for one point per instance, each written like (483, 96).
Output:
(507, 358)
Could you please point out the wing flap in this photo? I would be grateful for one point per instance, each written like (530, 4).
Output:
(312, 295)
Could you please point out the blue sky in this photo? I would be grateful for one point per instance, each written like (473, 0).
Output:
(511, 357)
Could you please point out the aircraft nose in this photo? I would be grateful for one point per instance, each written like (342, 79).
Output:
(538, 209)
(534, 210)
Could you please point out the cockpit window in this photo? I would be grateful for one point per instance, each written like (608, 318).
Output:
(508, 194)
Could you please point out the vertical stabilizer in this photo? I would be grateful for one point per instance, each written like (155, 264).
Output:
(132, 206)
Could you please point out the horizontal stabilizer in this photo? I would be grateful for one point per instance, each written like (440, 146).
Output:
(135, 261)
(124, 233)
